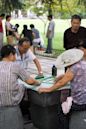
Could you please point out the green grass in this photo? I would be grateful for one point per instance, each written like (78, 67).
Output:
(60, 27)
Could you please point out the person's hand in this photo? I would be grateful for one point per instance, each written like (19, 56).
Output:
(44, 90)
(58, 78)
(40, 74)
(37, 83)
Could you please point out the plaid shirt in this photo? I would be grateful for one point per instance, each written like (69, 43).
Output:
(10, 91)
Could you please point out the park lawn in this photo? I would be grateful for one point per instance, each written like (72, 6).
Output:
(57, 41)
(60, 26)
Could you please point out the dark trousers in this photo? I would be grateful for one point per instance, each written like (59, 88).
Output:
(63, 120)
(49, 46)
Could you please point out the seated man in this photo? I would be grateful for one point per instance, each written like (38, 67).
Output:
(24, 55)
(10, 92)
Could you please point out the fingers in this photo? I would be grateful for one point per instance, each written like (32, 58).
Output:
(37, 83)
(44, 90)
(41, 90)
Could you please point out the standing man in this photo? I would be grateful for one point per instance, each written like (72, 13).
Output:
(1, 30)
(75, 34)
(50, 34)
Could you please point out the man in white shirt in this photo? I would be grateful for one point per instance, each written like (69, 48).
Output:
(50, 34)
(24, 55)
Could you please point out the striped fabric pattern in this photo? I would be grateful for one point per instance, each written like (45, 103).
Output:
(10, 91)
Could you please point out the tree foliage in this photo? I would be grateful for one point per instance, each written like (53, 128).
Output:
(60, 8)
(9, 5)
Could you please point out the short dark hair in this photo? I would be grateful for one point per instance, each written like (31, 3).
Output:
(7, 50)
(31, 26)
(50, 16)
(17, 25)
(76, 17)
(25, 26)
(8, 16)
(22, 40)
(2, 15)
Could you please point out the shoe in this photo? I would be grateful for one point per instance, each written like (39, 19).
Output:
(45, 52)
(48, 52)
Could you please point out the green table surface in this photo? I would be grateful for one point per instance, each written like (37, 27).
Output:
(46, 82)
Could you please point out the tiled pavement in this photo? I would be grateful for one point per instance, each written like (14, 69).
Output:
(46, 63)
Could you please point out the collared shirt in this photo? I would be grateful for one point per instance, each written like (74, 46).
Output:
(51, 28)
(78, 84)
(27, 57)
(11, 92)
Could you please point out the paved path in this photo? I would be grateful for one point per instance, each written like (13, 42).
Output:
(46, 63)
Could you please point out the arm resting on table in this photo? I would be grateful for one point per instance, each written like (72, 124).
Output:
(66, 78)
(32, 81)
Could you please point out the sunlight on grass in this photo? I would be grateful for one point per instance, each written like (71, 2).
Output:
(60, 27)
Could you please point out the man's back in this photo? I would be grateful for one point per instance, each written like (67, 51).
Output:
(36, 32)
(10, 91)
(28, 33)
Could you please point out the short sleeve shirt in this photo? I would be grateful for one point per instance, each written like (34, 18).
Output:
(26, 58)
(51, 28)
(36, 32)
(11, 92)
(78, 84)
